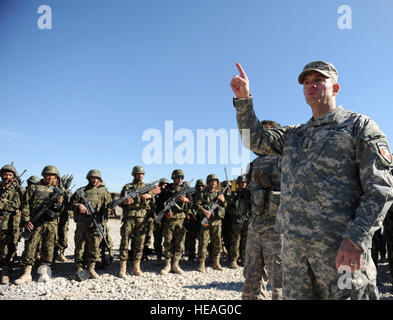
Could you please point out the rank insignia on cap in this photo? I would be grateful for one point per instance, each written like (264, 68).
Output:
(384, 151)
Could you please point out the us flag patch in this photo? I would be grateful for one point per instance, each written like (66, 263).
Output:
(384, 151)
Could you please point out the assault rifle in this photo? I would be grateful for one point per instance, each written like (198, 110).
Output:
(16, 182)
(95, 216)
(168, 204)
(45, 212)
(133, 193)
(213, 206)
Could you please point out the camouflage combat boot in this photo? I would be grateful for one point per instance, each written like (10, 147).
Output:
(92, 271)
(61, 257)
(176, 268)
(167, 267)
(216, 263)
(26, 277)
(123, 269)
(233, 264)
(4, 275)
(202, 267)
(136, 271)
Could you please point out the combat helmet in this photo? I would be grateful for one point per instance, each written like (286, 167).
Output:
(177, 173)
(200, 182)
(33, 180)
(94, 173)
(241, 179)
(212, 177)
(50, 170)
(137, 169)
(9, 168)
(163, 181)
(225, 183)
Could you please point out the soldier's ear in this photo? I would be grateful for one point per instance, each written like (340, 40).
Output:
(336, 89)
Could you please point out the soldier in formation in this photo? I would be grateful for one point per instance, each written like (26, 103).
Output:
(87, 239)
(263, 262)
(211, 230)
(239, 210)
(174, 231)
(10, 202)
(40, 221)
(134, 224)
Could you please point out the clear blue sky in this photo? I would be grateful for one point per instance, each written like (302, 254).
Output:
(81, 95)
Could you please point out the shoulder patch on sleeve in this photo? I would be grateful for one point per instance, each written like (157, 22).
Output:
(384, 151)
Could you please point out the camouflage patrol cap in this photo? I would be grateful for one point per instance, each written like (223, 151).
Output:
(200, 182)
(50, 170)
(94, 173)
(9, 168)
(325, 68)
(163, 181)
(137, 169)
(241, 178)
(177, 173)
(211, 177)
(33, 179)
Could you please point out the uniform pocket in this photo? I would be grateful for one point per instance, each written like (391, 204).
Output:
(258, 200)
(274, 202)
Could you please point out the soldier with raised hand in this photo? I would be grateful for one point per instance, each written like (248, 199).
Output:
(10, 202)
(239, 212)
(134, 212)
(87, 239)
(336, 188)
(46, 230)
(174, 231)
(263, 261)
(212, 230)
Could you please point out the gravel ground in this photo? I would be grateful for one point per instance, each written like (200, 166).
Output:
(192, 285)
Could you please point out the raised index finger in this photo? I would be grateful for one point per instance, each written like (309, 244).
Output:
(241, 71)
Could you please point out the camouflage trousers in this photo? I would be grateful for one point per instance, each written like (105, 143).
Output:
(191, 237)
(174, 234)
(9, 240)
(87, 243)
(46, 234)
(132, 228)
(211, 233)
(62, 233)
(238, 240)
(262, 265)
(309, 273)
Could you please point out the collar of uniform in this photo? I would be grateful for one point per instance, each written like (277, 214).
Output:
(328, 117)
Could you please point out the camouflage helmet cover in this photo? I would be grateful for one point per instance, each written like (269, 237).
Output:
(225, 183)
(177, 173)
(212, 177)
(200, 182)
(33, 179)
(241, 178)
(137, 169)
(9, 168)
(163, 181)
(50, 170)
(94, 173)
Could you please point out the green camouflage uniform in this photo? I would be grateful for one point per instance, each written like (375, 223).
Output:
(388, 234)
(263, 251)
(239, 210)
(36, 194)
(211, 232)
(193, 227)
(9, 224)
(87, 239)
(133, 223)
(335, 184)
(173, 229)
